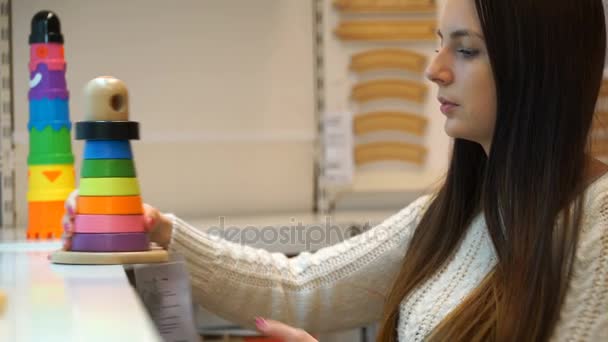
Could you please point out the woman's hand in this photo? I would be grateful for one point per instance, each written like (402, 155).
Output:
(68, 219)
(282, 331)
(155, 223)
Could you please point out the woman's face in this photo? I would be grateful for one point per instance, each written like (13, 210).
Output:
(461, 68)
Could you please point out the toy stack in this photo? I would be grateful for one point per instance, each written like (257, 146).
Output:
(109, 212)
(50, 161)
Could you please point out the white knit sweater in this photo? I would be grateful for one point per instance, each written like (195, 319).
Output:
(344, 286)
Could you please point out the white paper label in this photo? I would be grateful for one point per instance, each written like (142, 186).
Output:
(338, 148)
(165, 291)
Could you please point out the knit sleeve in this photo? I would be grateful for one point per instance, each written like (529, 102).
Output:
(584, 314)
(338, 287)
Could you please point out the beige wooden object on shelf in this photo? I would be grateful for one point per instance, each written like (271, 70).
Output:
(599, 147)
(602, 116)
(389, 121)
(385, 6)
(2, 302)
(388, 30)
(604, 88)
(388, 59)
(154, 255)
(380, 89)
(600, 121)
(599, 144)
(382, 151)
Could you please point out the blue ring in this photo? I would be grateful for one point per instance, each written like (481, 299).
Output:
(107, 149)
(53, 112)
(49, 109)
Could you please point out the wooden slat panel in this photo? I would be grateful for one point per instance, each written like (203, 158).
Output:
(380, 89)
(599, 130)
(385, 6)
(600, 121)
(388, 59)
(599, 147)
(604, 88)
(382, 151)
(386, 121)
(388, 30)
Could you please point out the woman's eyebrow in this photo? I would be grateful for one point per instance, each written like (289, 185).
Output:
(461, 33)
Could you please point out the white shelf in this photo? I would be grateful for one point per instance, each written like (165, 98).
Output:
(47, 302)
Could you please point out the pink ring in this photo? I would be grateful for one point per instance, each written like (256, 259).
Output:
(109, 224)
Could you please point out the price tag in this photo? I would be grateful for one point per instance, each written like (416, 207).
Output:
(338, 148)
(165, 292)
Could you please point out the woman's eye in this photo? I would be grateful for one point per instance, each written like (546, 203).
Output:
(468, 53)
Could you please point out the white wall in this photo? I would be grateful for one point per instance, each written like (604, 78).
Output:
(223, 90)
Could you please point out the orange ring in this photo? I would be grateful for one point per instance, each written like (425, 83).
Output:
(109, 205)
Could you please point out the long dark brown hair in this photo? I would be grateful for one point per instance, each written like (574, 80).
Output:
(547, 58)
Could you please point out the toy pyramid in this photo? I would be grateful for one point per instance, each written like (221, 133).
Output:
(50, 160)
(109, 222)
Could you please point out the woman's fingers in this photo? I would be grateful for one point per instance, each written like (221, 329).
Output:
(68, 219)
(70, 202)
(157, 225)
(282, 331)
(68, 229)
(151, 217)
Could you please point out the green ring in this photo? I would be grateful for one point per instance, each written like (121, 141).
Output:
(50, 146)
(102, 168)
(55, 158)
(108, 187)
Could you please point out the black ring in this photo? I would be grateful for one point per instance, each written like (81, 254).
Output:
(107, 130)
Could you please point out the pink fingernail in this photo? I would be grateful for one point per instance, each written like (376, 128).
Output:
(149, 221)
(261, 323)
(70, 211)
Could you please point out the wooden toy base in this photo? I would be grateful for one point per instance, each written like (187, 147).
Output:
(154, 255)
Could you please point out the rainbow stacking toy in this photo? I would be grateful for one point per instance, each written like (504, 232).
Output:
(50, 160)
(109, 222)
(109, 212)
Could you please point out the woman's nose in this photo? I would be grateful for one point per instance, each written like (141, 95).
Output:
(438, 71)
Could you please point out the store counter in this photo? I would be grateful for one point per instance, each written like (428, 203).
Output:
(48, 302)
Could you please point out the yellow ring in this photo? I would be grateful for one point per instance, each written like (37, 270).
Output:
(52, 182)
(108, 187)
(49, 195)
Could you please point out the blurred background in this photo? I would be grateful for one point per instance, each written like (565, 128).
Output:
(233, 98)
(230, 96)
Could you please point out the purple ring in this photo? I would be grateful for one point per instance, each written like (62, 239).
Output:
(45, 83)
(116, 242)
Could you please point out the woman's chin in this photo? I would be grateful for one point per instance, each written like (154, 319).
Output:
(452, 130)
(455, 131)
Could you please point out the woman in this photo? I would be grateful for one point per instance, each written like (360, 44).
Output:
(512, 247)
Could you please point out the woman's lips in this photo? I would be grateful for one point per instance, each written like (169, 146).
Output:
(446, 106)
